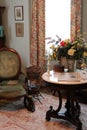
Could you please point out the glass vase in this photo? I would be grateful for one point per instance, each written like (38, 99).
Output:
(71, 65)
(75, 65)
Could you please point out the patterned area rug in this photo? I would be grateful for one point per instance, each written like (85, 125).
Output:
(14, 116)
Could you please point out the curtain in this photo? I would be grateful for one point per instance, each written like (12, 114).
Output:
(76, 10)
(37, 47)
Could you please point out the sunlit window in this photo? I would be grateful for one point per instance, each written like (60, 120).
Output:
(57, 18)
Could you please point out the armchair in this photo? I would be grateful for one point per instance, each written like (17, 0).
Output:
(11, 84)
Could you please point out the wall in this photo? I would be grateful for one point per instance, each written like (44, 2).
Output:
(21, 44)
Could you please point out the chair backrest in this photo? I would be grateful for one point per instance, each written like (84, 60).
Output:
(10, 64)
(33, 72)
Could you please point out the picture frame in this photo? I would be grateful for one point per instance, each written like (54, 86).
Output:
(19, 29)
(18, 13)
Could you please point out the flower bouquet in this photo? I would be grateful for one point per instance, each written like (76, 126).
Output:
(75, 49)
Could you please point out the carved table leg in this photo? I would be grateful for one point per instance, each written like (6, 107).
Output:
(54, 113)
(72, 112)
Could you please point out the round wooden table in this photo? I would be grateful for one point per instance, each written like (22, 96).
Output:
(70, 82)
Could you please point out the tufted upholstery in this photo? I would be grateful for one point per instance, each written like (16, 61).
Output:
(10, 63)
(10, 66)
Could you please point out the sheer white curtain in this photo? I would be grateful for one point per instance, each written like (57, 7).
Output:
(57, 15)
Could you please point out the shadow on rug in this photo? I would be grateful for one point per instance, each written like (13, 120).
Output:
(13, 116)
(12, 106)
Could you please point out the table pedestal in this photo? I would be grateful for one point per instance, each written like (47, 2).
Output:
(72, 107)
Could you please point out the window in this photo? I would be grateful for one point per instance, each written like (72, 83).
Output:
(58, 18)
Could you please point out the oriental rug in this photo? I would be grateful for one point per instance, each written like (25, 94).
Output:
(14, 116)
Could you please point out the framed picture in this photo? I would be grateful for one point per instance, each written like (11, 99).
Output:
(19, 29)
(18, 13)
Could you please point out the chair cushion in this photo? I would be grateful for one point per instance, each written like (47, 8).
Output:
(8, 82)
(12, 91)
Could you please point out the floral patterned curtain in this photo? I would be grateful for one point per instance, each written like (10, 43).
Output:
(76, 6)
(37, 46)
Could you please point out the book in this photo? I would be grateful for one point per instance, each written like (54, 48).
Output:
(69, 76)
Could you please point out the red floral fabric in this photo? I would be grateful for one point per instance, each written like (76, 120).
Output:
(37, 47)
(76, 6)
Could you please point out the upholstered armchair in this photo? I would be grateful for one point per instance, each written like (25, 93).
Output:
(11, 78)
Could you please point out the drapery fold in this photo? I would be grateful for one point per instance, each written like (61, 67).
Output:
(76, 11)
(37, 46)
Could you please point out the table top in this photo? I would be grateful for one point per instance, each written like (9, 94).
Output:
(66, 78)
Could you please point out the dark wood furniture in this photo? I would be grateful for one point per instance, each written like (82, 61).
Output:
(32, 81)
(2, 39)
(72, 107)
(2, 42)
(1, 11)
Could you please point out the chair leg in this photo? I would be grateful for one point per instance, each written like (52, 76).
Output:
(29, 103)
(41, 95)
(36, 96)
(38, 99)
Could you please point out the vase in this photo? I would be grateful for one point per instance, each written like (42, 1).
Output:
(78, 63)
(63, 62)
(75, 65)
(71, 65)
